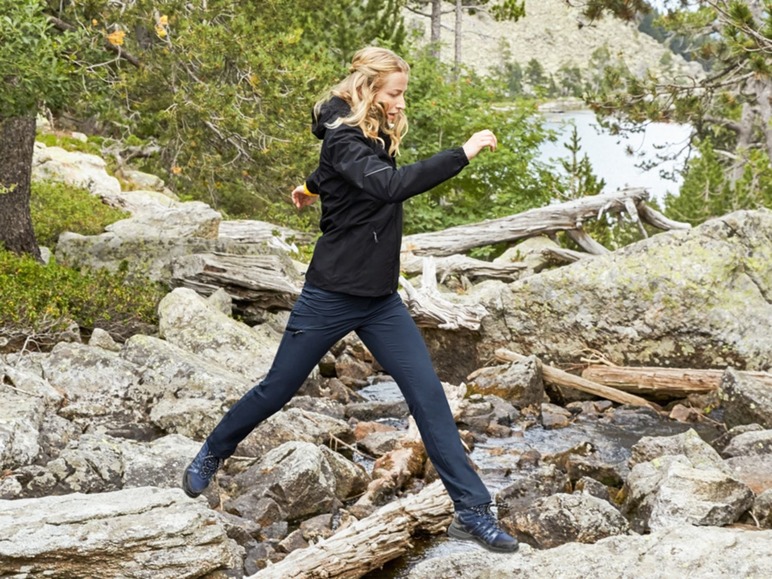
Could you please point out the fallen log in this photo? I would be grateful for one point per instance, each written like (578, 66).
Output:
(543, 220)
(369, 543)
(663, 383)
(560, 378)
(430, 310)
(473, 269)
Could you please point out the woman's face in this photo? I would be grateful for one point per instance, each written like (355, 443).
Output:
(392, 95)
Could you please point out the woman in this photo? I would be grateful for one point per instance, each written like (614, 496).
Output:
(351, 282)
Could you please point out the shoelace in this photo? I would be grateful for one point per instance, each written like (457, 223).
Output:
(209, 465)
(487, 527)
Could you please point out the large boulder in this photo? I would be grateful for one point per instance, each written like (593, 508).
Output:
(145, 533)
(681, 551)
(301, 477)
(74, 168)
(193, 324)
(693, 299)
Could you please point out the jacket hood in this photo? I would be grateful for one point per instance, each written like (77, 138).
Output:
(333, 109)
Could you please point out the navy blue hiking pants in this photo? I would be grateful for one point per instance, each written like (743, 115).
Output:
(319, 319)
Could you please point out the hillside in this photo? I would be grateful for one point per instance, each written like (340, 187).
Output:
(550, 33)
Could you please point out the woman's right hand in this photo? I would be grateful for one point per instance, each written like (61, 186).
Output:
(478, 142)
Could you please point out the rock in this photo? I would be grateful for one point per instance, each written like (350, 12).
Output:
(564, 518)
(77, 169)
(303, 478)
(351, 371)
(331, 408)
(379, 443)
(622, 304)
(296, 425)
(144, 533)
(553, 416)
(758, 442)
(101, 339)
(519, 383)
(680, 551)
(370, 411)
(688, 444)
(745, 400)
(590, 486)
(140, 180)
(192, 219)
(98, 386)
(518, 496)
(672, 489)
(484, 414)
(754, 471)
(762, 509)
(190, 322)
(25, 401)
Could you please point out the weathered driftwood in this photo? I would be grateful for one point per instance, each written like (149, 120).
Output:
(561, 378)
(586, 242)
(544, 220)
(370, 543)
(430, 310)
(662, 383)
(473, 269)
(561, 255)
(263, 281)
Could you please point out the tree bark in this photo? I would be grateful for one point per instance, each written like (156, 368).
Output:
(370, 543)
(17, 143)
(663, 383)
(543, 220)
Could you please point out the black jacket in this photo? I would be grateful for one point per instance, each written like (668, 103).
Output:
(362, 191)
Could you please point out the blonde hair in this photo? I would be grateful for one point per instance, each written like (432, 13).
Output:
(367, 75)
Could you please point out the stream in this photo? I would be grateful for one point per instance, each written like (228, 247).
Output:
(613, 434)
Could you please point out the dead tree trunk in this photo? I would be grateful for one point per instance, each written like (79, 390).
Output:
(543, 220)
(663, 383)
(17, 143)
(370, 543)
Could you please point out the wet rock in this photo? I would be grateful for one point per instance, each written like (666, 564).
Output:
(757, 442)
(190, 322)
(380, 443)
(680, 551)
(304, 479)
(564, 518)
(672, 489)
(526, 489)
(553, 416)
(143, 532)
(485, 413)
(594, 467)
(371, 411)
(590, 408)
(519, 383)
(745, 400)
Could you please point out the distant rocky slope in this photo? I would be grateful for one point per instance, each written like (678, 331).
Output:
(551, 34)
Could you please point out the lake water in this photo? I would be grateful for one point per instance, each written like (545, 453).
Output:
(610, 154)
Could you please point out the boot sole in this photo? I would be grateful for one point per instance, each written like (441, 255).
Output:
(459, 533)
(186, 488)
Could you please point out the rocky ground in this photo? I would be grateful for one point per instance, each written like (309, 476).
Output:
(94, 434)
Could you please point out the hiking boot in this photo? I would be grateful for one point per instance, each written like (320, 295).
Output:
(200, 472)
(481, 525)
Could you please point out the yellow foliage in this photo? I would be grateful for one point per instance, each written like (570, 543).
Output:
(163, 20)
(176, 170)
(116, 38)
(160, 31)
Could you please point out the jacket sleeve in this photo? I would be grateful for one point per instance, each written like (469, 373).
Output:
(312, 182)
(354, 158)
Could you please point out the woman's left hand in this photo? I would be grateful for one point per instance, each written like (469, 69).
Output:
(300, 199)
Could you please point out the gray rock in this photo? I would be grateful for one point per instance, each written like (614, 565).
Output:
(518, 383)
(672, 490)
(753, 470)
(74, 168)
(749, 444)
(528, 488)
(688, 443)
(564, 518)
(143, 533)
(745, 400)
(190, 322)
(101, 339)
(762, 509)
(303, 478)
(680, 551)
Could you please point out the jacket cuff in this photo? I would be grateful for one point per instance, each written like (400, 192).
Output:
(307, 191)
